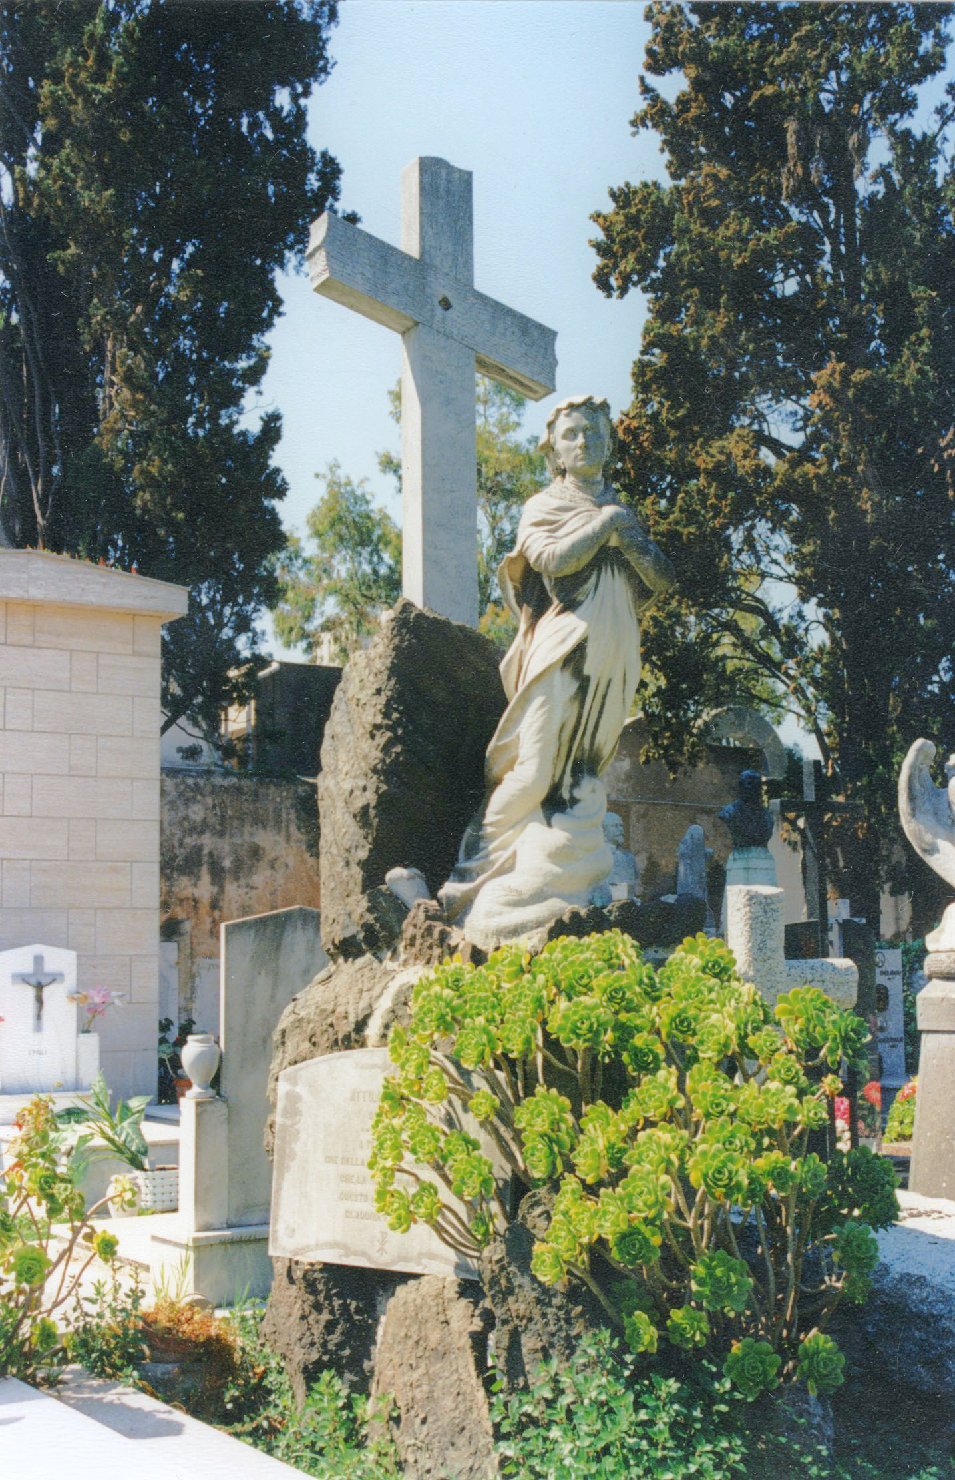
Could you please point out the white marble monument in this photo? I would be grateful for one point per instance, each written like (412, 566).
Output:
(890, 1016)
(425, 292)
(583, 570)
(755, 933)
(323, 1202)
(928, 817)
(927, 813)
(623, 880)
(41, 1048)
(216, 1244)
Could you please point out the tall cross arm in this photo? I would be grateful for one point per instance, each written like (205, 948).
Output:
(398, 290)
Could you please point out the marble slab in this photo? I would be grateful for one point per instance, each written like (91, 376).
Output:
(890, 1015)
(323, 1201)
(37, 1055)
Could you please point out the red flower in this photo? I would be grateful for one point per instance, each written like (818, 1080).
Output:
(873, 1093)
(840, 1107)
(907, 1092)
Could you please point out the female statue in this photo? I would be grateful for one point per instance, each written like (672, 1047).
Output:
(583, 570)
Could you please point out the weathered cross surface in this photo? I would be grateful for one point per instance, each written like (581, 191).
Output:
(425, 292)
(39, 981)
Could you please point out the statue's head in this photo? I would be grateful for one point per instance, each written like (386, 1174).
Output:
(613, 829)
(574, 412)
(751, 786)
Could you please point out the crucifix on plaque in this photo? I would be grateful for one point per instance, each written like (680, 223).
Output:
(425, 292)
(39, 981)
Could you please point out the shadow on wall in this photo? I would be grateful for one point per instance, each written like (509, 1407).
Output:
(232, 844)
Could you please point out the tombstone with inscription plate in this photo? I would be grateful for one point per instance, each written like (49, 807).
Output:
(41, 1048)
(323, 1201)
(890, 1016)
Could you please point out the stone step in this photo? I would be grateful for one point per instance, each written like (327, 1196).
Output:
(92, 1429)
(41, 1439)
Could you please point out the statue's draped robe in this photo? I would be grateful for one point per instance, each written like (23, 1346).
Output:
(570, 676)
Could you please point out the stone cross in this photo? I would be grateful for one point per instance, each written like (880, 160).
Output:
(426, 293)
(38, 981)
(755, 933)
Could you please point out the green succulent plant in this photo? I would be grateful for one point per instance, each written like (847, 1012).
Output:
(669, 1111)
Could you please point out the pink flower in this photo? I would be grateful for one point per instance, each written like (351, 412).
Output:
(840, 1107)
(907, 1092)
(96, 1000)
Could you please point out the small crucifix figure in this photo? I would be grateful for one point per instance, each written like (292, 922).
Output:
(38, 980)
(425, 292)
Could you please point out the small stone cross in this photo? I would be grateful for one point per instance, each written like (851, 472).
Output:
(755, 933)
(426, 293)
(38, 981)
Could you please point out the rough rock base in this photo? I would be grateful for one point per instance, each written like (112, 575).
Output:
(533, 1323)
(431, 1357)
(322, 1316)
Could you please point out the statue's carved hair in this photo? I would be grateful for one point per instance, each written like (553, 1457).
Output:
(575, 403)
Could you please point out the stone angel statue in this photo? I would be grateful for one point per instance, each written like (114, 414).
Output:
(583, 571)
(927, 813)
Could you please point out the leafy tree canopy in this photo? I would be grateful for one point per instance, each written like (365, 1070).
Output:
(154, 176)
(353, 571)
(790, 438)
(331, 596)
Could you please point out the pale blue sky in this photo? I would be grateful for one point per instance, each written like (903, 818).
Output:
(534, 97)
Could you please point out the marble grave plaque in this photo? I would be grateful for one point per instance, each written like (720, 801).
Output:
(323, 1198)
(39, 1031)
(890, 1038)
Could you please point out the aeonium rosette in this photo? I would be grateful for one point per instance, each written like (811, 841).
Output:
(667, 1114)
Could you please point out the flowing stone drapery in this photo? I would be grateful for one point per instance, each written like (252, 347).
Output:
(581, 573)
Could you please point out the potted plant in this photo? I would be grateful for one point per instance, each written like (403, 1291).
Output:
(869, 1115)
(119, 1129)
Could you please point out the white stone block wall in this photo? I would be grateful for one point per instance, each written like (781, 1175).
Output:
(79, 766)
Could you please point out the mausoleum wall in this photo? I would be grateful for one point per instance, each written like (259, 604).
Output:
(79, 766)
(233, 844)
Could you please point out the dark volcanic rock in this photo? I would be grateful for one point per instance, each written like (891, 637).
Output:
(659, 923)
(795, 1416)
(322, 1316)
(902, 1341)
(426, 937)
(331, 1015)
(431, 1354)
(402, 768)
(532, 1322)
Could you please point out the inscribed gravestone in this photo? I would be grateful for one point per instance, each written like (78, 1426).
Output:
(425, 292)
(323, 1202)
(39, 1032)
(890, 1038)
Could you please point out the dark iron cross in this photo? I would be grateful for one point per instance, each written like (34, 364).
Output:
(38, 980)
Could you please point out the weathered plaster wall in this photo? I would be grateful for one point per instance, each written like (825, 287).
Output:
(232, 845)
(657, 809)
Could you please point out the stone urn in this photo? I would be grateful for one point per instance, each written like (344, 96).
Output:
(200, 1060)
